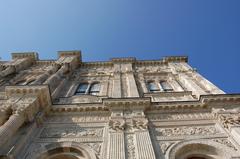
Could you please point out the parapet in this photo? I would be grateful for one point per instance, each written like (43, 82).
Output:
(19, 55)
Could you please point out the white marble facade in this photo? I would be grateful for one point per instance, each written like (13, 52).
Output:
(119, 109)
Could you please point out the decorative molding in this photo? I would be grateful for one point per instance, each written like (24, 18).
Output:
(186, 130)
(226, 142)
(165, 146)
(71, 132)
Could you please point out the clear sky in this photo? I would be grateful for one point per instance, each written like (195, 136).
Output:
(208, 31)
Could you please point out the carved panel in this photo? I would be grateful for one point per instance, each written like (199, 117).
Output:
(186, 130)
(77, 119)
(165, 146)
(71, 132)
(131, 150)
(187, 116)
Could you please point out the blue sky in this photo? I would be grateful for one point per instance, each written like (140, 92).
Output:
(208, 31)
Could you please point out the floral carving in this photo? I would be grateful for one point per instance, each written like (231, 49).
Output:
(226, 142)
(164, 146)
(71, 132)
(140, 124)
(117, 124)
(130, 146)
(184, 130)
(96, 147)
(229, 120)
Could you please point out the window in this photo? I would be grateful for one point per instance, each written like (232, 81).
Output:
(166, 86)
(94, 89)
(82, 89)
(152, 87)
(86, 88)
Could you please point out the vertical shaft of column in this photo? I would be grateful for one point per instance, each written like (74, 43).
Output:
(9, 70)
(144, 145)
(117, 90)
(191, 85)
(235, 132)
(132, 87)
(3, 117)
(44, 76)
(176, 85)
(143, 85)
(116, 145)
(208, 85)
(104, 89)
(10, 127)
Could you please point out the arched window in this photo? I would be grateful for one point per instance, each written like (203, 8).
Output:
(152, 87)
(166, 86)
(82, 89)
(94, 89)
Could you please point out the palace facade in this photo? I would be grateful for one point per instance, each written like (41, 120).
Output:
(123, 108)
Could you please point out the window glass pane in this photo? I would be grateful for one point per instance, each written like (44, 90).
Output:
(152, 86)
(95, 88)
(82, 88)
(166, 86)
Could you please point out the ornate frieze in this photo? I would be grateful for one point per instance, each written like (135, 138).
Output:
(228, 118)
(186, 130)
(180, 116)
(77, 119)
(71, 132)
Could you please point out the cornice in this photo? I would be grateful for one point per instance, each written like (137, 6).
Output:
(96, 64)
(168, 94)
(204, 102)
(42, 91)
(175, 59)
(127, 103)
(78, 108)
(124, 60)
(45, 62)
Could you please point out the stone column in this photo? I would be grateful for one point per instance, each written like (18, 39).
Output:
(54, 80)
(143, 85)
(104, 89)
(4, 112)
(132, 87)
(10, 127)
(235, 132)
(206, 84)
(116, 145)
(3, 117)
(117, 90)
(44, 76)
(190, 84)
(144, 146)
(9, 70)
(176, 85)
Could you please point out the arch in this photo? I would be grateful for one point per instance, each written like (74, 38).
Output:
(68, 150)
(206, 149)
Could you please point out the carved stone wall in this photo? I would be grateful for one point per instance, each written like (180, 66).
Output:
(41, 116)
